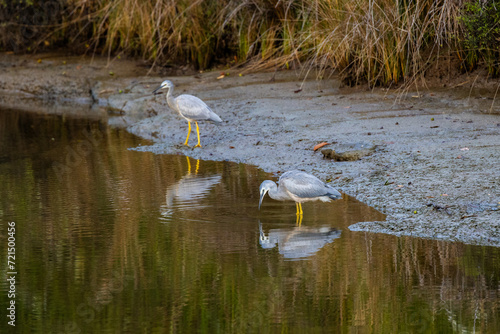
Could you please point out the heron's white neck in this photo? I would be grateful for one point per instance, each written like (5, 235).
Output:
(277, 193)
(170, 98)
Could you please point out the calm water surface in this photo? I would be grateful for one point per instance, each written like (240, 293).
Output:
(110, 240)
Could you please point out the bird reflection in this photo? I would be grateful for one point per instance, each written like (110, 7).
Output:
(298, 242)
(187, 193)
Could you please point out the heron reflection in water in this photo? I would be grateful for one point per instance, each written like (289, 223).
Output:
(298, 242)
(187, 193)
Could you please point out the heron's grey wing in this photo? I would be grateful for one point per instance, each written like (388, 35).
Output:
(195, 109)
(303, 185)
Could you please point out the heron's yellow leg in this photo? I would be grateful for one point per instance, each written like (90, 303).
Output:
(198, 132)
(299, 220)
(189, 132)
(189, 165)
(299, 209)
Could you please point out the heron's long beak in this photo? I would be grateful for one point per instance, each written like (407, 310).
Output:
(157, 89)
(261, 198)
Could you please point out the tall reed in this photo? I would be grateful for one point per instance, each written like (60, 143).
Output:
(380, 42)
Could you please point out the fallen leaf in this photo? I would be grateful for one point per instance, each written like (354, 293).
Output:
(105, 91)
(298, 90)
(435, 126)
(221, 76)
(231, 146)
(320, 145)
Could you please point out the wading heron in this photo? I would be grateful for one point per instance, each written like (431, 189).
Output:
(190, 107)
(299, 187)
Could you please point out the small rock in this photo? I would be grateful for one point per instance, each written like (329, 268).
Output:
(352, 155)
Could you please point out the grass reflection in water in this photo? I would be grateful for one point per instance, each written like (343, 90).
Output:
(118, 243)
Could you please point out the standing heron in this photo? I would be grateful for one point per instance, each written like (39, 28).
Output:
(299, 187)
(190, 107)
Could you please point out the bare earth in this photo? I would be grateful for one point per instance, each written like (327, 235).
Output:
(434, 170)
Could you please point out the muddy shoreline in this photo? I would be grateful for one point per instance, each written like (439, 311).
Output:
(434, 170)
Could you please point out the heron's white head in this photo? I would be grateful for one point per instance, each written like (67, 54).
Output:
(264, 188)
(167, 84)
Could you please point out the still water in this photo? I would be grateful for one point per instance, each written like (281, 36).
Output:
(110, 240)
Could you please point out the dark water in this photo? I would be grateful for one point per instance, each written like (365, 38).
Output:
(110, 240)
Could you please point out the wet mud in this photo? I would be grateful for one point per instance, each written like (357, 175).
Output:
(433, 157)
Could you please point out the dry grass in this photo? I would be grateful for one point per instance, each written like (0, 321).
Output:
(380, 42)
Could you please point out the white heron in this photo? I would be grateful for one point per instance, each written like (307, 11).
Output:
(299, 187)
(190, 107)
